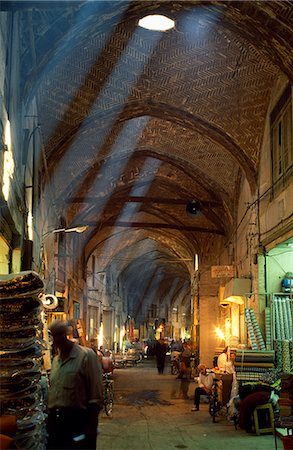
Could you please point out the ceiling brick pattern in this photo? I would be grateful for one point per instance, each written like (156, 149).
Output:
(176, 115)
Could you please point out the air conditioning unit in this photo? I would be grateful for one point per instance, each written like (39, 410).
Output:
(236, 290)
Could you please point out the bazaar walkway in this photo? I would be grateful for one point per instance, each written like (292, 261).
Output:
(146, 416)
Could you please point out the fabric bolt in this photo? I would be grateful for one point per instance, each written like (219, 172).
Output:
(286, 318)
(256, 364)
(289, 316)
(279, 356)
(273, 317)
(256, 329)
(286, 356)
(283, 336)
(277, 321)
(248, 376)
(251, 369)
(255, 356)
(270, 376)
(249, 358)
(268, 328)
(290, 301)
(285, 300)
(255, 352)
(250, 330)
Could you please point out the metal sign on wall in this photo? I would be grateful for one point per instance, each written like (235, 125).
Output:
(222, 271)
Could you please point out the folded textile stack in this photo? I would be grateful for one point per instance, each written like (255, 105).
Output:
(251, 365)
(282, 317)
(268, 327)
(21, 357)
(284, 355)
(255, 336)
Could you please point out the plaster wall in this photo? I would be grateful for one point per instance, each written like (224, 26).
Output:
(275, 213)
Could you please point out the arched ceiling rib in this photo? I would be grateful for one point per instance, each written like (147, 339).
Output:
(125, 112)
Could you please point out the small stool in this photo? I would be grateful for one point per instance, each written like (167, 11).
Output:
(269, 417)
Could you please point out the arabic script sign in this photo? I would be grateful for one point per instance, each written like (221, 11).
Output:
(222, 271)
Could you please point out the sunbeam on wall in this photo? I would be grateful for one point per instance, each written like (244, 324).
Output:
(101, 104)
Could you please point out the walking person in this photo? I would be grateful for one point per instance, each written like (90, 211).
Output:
(205, 382)
(160, 352)
(75, 393)
(185, 369)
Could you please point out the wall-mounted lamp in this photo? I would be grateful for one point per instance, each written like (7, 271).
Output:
(76, 229)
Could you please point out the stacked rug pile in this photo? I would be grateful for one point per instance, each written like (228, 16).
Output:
(21, 357)
(281, 312)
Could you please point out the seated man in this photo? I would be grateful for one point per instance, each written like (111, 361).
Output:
(205, 382)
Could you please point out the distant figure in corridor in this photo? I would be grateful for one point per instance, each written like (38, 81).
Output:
(185, 356)
(160, 352)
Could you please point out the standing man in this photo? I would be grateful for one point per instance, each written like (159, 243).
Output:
(205, 382)
(222, 360)
(160, 351)
(75, 393)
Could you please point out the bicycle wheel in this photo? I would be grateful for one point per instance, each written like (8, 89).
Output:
(213, 408)
(174, 368)
(108, 401)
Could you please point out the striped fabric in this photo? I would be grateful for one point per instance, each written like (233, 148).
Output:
(268, 328)
(257, 332)
(281, 311)
(254, 365)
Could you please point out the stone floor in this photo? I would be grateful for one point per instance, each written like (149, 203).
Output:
(150, 414)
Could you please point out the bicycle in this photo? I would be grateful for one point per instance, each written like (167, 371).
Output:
(175, 363)
(214, 404)
(108, 384)
(175, 366)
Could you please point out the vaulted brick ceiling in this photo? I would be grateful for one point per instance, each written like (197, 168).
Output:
(168, 116)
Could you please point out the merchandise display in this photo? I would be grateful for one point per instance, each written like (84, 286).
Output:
(252, 365)
(281, 317)
(256, 338)
(22, 386)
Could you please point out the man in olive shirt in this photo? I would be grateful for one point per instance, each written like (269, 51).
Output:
(75, 393)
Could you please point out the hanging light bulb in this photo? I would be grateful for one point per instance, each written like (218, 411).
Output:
(156, 22)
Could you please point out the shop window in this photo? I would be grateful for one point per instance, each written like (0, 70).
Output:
(282, 142)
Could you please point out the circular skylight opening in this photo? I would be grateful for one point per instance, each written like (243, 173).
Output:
(156, 22)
